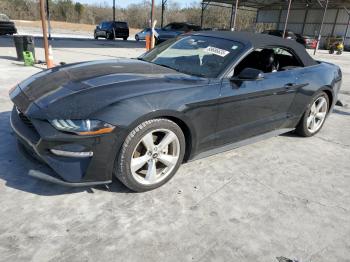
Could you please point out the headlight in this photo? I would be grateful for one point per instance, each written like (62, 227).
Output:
(82, 127)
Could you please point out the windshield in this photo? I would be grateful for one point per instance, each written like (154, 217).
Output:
(106, 25)
(195, 55)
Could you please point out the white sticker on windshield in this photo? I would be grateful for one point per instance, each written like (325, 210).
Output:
(216, 51)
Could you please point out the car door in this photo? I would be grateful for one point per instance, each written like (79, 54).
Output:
(142, 34)
(145, 33)
(104, 28)
(251, 107)
(168, 32)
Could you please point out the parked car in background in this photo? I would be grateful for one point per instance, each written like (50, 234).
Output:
(111, 30)
(289, 35)
(308, 41)
(7, 27)
(173, 30)
(142, 34)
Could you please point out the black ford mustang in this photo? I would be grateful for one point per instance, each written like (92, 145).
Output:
(190, 97)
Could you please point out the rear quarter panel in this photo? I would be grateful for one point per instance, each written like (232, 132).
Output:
(323, 76)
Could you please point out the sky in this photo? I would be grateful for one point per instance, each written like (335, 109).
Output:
(124, 3)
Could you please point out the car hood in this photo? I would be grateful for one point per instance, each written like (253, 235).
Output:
(77, 90)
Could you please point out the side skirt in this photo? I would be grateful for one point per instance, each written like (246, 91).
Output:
(241, 143)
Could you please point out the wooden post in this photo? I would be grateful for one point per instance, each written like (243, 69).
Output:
(44, 27)
(152, 25)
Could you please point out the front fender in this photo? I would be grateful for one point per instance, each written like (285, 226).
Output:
(194, 109)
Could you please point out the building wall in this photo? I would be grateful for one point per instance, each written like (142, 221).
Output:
(307, 22)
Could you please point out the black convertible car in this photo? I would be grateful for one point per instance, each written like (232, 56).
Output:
(190, 97)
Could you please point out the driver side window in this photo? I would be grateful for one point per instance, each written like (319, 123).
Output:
(269, 60)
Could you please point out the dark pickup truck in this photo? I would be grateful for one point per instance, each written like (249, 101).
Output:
(7, 27)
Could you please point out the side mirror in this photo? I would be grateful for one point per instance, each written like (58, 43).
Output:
(251, 74)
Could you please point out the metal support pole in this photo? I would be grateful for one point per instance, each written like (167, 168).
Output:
(44, 28)
(279, 19)
(163, 9)
(202, 15)
(48, 17)
(335, 22)
(286, 22)
(231, 18)
(346, 31)
(347, 26)
(235, 17)
(321, 27)
(113, 10)
(304, 22)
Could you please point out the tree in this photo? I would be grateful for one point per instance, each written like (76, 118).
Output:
(79, 9)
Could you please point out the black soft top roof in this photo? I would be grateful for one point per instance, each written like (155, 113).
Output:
(252, 40)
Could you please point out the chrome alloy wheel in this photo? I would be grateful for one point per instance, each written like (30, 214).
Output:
(317, 114)
(155, 156)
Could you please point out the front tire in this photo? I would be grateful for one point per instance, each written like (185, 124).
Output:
(137, 38)
(150, 155)
(314, 116)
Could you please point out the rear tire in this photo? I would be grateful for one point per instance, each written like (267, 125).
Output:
(125, 38)
(150, 155)
(315, 115)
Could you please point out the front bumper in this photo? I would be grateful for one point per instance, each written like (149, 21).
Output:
(121, 34)
(8, 30)
(38, 137)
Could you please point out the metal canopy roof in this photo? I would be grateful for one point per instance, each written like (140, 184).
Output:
(278, 4)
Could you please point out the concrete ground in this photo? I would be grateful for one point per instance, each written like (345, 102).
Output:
(286, 196)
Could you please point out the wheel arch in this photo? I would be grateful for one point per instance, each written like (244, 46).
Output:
(179, 119)
(187, 133)
(329, 92)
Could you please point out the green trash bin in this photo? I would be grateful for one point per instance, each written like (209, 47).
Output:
(24, 43)
(28, 58)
